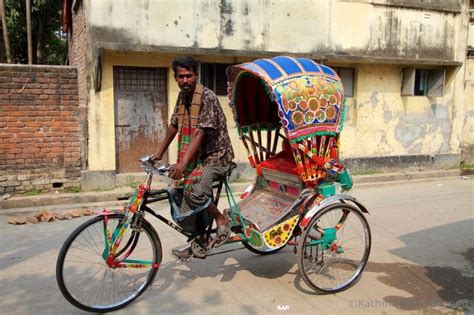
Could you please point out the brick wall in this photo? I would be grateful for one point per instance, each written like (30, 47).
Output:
(39, 123)
(78, 58)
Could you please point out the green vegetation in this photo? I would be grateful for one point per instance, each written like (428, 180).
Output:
(72, 189)
(49, 43)
(33, 192)
(367, 172)
(133, 184)
(466, 167)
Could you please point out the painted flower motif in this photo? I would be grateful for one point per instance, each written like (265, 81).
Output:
(323, 102)
(277, 240)
(331, 112)
(297, 118)
(320, 115)
(309, 117)
(303, 105)
(313, 104)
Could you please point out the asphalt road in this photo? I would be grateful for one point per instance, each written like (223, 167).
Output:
(422, 261)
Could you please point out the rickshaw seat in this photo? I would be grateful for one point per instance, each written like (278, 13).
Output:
(283, 161)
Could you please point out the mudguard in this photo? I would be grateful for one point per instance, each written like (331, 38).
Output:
(318, 206)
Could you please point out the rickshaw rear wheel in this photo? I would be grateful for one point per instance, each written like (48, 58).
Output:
(334, 248)
(261, 252)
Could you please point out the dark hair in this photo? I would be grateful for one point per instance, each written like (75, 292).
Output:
(186, 62)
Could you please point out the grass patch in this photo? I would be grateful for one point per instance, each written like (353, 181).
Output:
(133, 185)
(367, 172)
(466, 167)
(33, 192)
(72, 189)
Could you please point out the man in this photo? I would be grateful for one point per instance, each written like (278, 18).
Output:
(204, 149)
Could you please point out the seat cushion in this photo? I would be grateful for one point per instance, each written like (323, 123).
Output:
(282, 161)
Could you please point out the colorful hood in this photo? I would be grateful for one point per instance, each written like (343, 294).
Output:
(307, 98)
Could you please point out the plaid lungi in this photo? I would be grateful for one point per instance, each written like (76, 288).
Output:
(197, 193)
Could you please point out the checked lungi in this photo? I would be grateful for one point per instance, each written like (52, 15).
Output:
(197, 190)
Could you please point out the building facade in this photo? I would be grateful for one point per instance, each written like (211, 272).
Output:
(404, 64)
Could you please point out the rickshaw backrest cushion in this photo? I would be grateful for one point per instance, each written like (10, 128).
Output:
(282, 161)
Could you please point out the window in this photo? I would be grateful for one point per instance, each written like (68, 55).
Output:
(347, 79)
(419, 82)
(213, 76)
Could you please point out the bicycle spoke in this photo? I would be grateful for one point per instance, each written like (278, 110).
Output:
(344, 258)
(91, 282)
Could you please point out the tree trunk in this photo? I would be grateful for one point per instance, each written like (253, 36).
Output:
(28, 31)
(39, 39)
(5, 31)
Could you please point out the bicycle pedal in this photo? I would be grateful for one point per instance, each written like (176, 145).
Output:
(185, 260)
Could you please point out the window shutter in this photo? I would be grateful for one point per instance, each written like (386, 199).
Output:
(436, 83)
(408, 81)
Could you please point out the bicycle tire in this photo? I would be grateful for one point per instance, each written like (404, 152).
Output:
(342, 258)
(78, 296)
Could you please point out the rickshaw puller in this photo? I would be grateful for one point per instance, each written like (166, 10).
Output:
(204, 149)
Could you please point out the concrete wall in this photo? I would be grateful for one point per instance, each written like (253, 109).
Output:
(39, 140)
(388, 30)
(376, 37)
(381, 122)
(467, 145)
(101, 107)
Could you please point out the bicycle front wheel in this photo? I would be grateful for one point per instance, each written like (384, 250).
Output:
(334, 248)
(86, 280)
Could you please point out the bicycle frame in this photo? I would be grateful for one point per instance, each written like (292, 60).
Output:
(134, 213)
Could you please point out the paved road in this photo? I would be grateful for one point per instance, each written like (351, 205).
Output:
(422, 260)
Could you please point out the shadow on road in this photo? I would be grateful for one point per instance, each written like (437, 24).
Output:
(442, 273)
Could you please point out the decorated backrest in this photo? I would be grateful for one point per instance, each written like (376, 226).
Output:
(297, 95)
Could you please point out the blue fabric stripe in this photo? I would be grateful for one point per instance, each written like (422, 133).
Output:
(253, 68)
(327, 70)
(287, 64)
(308, 65)
(269, 68)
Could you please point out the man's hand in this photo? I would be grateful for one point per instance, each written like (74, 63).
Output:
(176, 171)
(156, 158)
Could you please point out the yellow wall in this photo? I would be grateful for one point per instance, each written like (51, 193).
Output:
(101, 106)
(382, 122)
(379, 121)
(359, 28)
(468, 121)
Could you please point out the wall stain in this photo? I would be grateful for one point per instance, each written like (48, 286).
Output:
(226, 18)
(374, 100)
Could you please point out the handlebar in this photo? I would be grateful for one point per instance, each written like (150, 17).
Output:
(148, 165)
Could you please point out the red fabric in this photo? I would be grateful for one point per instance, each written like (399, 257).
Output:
(282, 161)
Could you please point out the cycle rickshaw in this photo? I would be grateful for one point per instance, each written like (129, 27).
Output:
(289, 113)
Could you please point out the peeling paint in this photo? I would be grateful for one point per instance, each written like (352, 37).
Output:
(373, 99)
(384, 31)
(408, 134)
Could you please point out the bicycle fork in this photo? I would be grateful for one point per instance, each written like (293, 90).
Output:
(119, 259)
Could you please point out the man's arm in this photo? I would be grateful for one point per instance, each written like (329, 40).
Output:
(170, 134)
(177, 171)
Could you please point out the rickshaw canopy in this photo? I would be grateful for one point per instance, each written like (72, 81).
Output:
(305, 97)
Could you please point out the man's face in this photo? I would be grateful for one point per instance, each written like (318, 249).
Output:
(186, 79)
